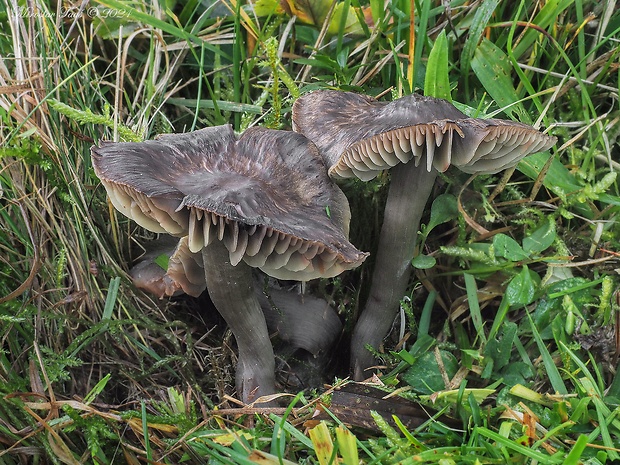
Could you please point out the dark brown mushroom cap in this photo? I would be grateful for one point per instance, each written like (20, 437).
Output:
(360, 136)
(267, 196)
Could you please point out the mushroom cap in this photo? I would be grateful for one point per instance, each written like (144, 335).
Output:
(186, 270)
(148, 275)
(266, 195)
(360, 136)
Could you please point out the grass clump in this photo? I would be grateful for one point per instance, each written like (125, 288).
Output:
(510, 328)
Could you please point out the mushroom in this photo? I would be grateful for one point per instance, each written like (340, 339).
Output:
(184, 273)
(360, 136)
(263, 200)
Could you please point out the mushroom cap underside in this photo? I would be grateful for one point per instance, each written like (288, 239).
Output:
(359, 136)
(267, 196)
(186, 269)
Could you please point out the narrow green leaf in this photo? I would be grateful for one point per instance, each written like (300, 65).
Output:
(492, 67)
(410, 437)
(436, 81)
(347, 445)
(99, 387)
(129, 12)
(519, 448)
(580, 445)
(546, 17)
(322, 442)
(523, 392)
(110, 299)
(145, 432)
(404, 356)
(425, 319)
(377, 10)
(290, 429)
(424, 17)
(552, 371)
(222, 105)
(474, 305)
(481, 18)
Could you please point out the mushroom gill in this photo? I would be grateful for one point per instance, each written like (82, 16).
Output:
(186, 269)
(431, 142)
(360, 136)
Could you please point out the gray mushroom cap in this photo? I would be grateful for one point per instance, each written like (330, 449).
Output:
(360, 136)
(266, 195)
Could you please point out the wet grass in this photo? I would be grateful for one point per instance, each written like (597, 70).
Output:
(513, 330)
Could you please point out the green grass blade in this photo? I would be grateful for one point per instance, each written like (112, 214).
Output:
(481, 18)
(347, 445)
(137, 15)
(218, 104)
(474, 306)
(322, 443)
(425, 318)
(545, 18)
(552, 371)
(437, 82)
(111, 298)
(576, 452)
(423, 11)
(519, 448)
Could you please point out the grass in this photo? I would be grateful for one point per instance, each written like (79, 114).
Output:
(515, 305)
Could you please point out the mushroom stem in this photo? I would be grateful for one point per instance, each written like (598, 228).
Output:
(232, 292)
(392, 271)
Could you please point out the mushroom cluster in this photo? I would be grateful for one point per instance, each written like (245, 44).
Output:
(262, 200)
(359, 137)
(267, 200)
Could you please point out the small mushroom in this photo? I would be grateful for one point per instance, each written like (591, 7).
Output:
(416, 137)
(186, 270)
(263, 200)
(148, 275)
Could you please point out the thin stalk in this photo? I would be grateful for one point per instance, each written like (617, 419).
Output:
(393, 269)
(232, 292)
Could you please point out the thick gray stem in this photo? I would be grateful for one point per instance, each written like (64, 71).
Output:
(410, 188)
(232, 292)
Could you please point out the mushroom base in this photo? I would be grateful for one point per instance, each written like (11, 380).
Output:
(410, 188)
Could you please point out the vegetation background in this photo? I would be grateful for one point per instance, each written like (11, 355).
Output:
(515, 302)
